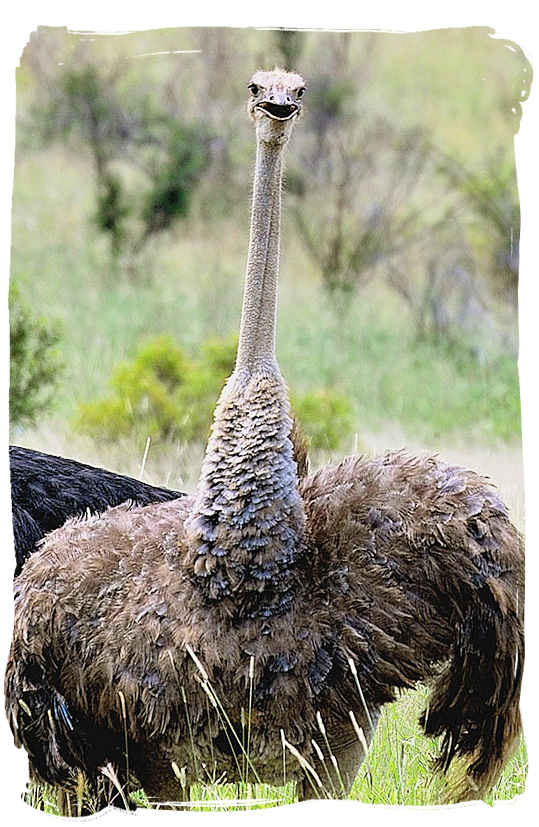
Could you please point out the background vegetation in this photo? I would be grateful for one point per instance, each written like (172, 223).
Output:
(398, 298)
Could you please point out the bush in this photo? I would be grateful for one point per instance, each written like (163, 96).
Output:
(91, 102)
(161, 392)
(164, 394)
(325, 416)
(176, 178)
(111, 210)
(34, 361)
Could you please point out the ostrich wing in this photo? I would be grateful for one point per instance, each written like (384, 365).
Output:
(419, 572)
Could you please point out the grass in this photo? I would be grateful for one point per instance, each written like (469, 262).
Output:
(397, 770)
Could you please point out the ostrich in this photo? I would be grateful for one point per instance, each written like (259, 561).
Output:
(140, 634)
(46, 490)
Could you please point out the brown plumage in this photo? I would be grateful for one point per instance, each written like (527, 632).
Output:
(324, 594)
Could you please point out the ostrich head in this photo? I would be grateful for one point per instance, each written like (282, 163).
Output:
(275, 103)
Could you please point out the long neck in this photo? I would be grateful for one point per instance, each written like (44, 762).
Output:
(245, 533)
(258, 319)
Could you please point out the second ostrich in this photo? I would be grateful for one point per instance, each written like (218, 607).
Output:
(323, 595)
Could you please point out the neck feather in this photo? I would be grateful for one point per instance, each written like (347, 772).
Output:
(245, 533)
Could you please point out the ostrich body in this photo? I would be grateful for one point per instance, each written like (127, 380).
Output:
(46, 490)
(325, 594)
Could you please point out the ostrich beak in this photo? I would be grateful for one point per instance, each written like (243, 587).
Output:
(278, 105)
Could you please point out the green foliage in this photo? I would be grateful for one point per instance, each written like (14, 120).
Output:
(325, 416)
(111, 210)
(166, 395)
(34, 361)
(360, 198)
(89, 102)
(161, 392)
(80, 100)
(495, 213)
(152, 394)
(86, 102)
(329, 98)
(220, 355)
(174, 182)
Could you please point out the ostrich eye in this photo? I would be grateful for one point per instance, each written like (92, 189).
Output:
(253, 88)
(299, 93)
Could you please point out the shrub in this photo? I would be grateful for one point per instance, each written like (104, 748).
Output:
(139, 132)
(161, 392)
(145, 396)
(325, 416)
(34, 361)
(165, 394)
(176, 178)
(111, 210)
